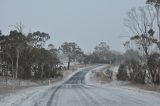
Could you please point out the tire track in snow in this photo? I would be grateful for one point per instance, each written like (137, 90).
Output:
(89, 97)
(49, 103)
(44, 95)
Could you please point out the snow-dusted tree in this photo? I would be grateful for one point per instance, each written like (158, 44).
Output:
(72, 50)
(141, 23)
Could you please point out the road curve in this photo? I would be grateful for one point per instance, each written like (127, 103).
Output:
(74, 92)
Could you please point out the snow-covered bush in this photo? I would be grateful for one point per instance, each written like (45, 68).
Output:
(131, 70)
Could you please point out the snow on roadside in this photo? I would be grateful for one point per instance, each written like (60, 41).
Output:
(115, 68)
(16, 82)
(90, 79)
(78, 70)
(114, 81)
(14, 99)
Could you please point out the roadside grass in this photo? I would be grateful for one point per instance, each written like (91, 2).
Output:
(101, 78)
(148, 87)
(14, 85)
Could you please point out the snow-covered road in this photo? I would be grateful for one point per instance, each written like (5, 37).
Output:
(75, 92)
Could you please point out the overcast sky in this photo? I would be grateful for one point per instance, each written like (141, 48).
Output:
(86, 22)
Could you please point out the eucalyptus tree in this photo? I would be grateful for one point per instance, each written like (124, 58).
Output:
(72, 50)
(156, 4)
(102, 53)
(18, 41)
(53, 62)
(38, 39)
(141, 23)
(14, 44)
(23, 52)
(88, 59)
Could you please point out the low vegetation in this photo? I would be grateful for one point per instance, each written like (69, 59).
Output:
(142, 61)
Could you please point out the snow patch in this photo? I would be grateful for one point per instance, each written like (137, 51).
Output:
(89, 78)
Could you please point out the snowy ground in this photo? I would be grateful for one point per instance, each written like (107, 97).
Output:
(16, 83)
(103, 80)
(92, 80)
(90, 76)
(74, 91)
(17, 89)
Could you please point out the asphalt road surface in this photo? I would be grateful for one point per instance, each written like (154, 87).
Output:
(74, 92)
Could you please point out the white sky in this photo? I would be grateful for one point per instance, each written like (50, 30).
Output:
(86, 22)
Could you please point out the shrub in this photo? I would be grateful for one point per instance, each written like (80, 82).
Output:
(132, 70)
(122, 73)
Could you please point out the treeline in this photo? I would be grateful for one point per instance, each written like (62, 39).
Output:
(142, 62)
(24, 56)
(103, 54)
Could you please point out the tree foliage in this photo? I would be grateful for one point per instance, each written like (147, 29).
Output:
(143, 25)
(38, 39)
(153, 1)
(72, 50)
(122, 73)
(103, 54)
(26, 57)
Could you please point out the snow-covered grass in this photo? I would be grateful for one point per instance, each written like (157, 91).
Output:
(16, 82)
(97, 76)
(36, 96)
(130, 85)
(19, 96)
(92, 80)
(15, 98)
(90, 76)
(14, 85)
